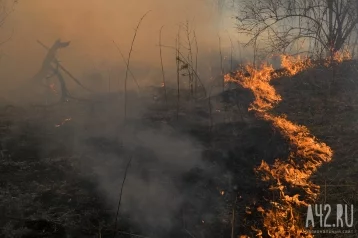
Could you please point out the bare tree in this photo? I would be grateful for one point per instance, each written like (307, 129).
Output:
(279, 24)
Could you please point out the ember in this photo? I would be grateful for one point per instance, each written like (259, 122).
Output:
(63, 122)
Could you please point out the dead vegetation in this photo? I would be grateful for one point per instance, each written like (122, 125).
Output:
(261, 167)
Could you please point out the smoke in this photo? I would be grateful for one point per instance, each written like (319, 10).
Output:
(158, 155)
(93, 25)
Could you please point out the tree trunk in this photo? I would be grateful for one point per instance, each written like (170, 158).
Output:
(331, 44)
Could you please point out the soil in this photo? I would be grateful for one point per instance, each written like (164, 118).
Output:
(50, 185)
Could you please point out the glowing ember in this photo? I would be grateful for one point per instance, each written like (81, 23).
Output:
(53, 88)
(63, 122)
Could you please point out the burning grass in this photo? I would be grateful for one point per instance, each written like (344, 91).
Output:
(232, 149)
(289, 178)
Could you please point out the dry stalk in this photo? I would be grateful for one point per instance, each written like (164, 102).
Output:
(127, 69)
(177, 50)
(182, 60)
(126, 62)
(161, 62)
(221, 64)
(196, 62)
(120, 196)
(231, 52)
(190, 59)
(210, 106)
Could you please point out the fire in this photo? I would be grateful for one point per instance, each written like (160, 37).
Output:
(341, 56)
(338, 57)
(307, 153)
(295, 65)
(53, 88)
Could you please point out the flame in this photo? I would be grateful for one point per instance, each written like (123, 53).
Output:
(294, 65)
(63, 122)
(338, 57)
(307, 153)
(341, 56)
(53, 88)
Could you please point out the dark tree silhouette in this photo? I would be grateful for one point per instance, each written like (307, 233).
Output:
(278, 24)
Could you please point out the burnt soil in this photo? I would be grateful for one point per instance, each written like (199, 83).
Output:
(48, 186)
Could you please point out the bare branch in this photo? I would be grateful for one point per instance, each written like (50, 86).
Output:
(328, 23)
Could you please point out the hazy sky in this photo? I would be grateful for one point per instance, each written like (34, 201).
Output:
(92, 25)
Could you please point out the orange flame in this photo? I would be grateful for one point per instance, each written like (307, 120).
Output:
(307, 154)
(341, 56)
(295, 65)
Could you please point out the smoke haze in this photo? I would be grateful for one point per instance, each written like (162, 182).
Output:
(93, 25)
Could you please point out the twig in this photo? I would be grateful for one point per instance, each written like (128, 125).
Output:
(231, 51)
(190, 59)
(120, 196)
(186, 62)
(255, 53)
(127, 69)
(191, 235)
(177, 49)
(209, 101)
(196, 61)
(161, 62)
(127, 233)
(7, 39)
(126, 62)
(197, 51)
(221, 64)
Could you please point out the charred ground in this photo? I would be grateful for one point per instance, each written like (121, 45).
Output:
(49, 174)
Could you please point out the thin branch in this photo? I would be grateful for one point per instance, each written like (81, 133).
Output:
(177, 49)
(221, 64)
(231, 51)
(120, 196)
(127, 69)
(126, 62)
(189, 65)
(196, 59)
(161, 63)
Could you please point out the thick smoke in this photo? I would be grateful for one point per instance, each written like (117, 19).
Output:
(150, 197)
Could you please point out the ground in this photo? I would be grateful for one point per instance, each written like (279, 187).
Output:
(59, 178)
